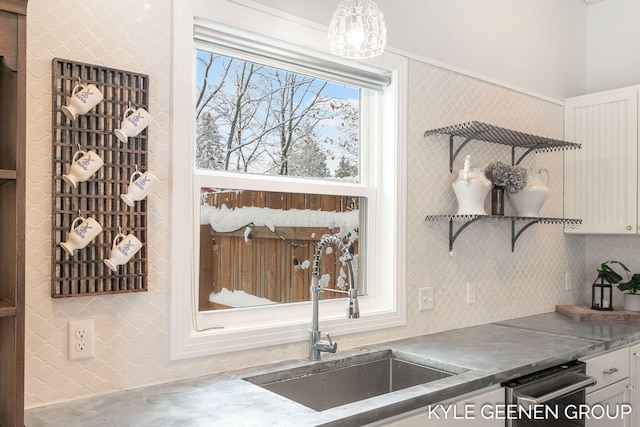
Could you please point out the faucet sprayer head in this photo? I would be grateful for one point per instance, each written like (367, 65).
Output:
(353, 308)
(317, 345)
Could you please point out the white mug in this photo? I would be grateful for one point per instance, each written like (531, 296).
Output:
(82, 167)
(123, 249)
(83, 98)
(138, 189)
(134, 122)
(81, 234)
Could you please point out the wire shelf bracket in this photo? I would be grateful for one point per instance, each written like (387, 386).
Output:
(515, 233)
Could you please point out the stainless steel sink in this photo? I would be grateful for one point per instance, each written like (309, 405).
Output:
(334, 383)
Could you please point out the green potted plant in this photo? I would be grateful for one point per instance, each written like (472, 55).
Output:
(630, 288)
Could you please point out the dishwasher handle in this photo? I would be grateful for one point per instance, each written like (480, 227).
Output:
(585, 381)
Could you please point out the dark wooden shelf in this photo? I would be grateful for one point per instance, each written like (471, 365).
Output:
(7, 175)
(7, 309)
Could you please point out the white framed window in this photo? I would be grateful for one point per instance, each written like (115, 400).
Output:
(197, 23)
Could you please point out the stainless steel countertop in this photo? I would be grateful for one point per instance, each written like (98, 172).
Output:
(492, 353)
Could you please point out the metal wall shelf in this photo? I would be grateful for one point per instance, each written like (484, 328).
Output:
(497, 135)
(489, 133)
(470, 219)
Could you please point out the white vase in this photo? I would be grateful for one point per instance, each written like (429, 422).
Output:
(471, 190)
(632, 302)
(528, 201)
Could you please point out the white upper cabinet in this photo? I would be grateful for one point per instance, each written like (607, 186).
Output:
(601, 179)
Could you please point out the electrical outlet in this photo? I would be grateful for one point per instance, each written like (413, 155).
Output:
(471, 293)
(426, 299)
(81, 339)
(567, 282)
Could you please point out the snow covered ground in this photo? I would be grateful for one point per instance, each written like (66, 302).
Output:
(237, 299)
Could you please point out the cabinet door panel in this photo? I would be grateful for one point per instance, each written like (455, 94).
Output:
(465, 412)
(600, 180)
(634, 378)
(608, 368)
(608, 397)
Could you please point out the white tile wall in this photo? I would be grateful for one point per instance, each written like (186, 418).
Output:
(530, 280)
(132, 331)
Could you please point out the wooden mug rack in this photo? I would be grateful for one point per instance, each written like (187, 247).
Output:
(99, 197)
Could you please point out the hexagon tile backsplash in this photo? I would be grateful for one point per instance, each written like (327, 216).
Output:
(132, 331)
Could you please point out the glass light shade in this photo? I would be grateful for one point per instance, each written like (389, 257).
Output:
(357, 30)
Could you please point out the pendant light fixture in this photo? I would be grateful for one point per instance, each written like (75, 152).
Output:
(357, 30)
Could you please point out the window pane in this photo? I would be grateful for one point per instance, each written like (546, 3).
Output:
(257, 247)
(257, 119)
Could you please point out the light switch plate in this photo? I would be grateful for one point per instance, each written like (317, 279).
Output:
(471, 293)
(568, 282)
(426, 299)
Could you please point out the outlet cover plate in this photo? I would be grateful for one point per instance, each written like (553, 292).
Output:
(81, 339)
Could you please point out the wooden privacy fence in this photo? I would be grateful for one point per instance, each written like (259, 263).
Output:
(271, 265)
(275, 200)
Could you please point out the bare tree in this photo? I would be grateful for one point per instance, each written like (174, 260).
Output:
(236, 101)
(207, 91)
(262, 113)
(298, 112)
(349, 122)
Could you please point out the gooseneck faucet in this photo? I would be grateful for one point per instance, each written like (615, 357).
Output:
(316, 344)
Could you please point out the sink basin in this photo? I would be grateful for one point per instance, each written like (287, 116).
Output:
(325, 385)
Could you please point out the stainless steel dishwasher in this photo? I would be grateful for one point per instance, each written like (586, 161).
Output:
(553, 397)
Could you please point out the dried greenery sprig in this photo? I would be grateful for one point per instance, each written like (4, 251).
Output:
(511, 178)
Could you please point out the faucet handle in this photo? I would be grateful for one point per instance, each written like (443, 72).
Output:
(329, 340)
(327, 345)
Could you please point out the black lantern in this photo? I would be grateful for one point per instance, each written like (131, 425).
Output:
(601, 293)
